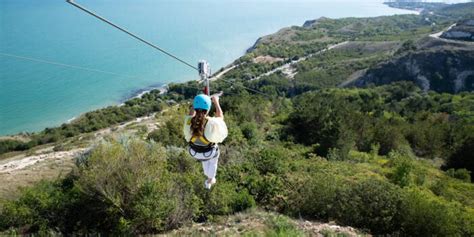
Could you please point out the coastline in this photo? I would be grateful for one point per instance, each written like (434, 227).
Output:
(138, 93)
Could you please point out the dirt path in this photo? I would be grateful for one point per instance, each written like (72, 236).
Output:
(287, 68)
(438, 35)
(19, 172)
(220, 74)
(11, 165)
(26, 169)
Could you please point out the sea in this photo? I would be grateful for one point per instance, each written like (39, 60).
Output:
(57, 62)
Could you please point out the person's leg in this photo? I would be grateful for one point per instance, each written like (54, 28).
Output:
(211, 167)
(205, 168)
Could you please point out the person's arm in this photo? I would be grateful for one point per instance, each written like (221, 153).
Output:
(215, 101)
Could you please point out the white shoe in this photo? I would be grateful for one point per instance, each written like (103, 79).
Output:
(208, 185)
(213, 181)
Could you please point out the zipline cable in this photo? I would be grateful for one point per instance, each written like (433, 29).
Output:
(247, 88)
(131, 34)
(150, 44)
(63, 64)
(107, 72)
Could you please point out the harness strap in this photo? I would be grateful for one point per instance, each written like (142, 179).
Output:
(202, 138)
(212, 152)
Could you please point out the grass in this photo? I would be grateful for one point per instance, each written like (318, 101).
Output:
(257, 222)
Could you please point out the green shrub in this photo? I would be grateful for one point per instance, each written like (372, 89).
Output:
(426, 215)
(142, 195)
(371, 204)
(281, 226)
(270, 160)
(225, 198)
(251, 132)
(463, 157)
(34, 209)
(170, 134)
(322, 119)
(313, 197)
(402, 169)
(461, 174)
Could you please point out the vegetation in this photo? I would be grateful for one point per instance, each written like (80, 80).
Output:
(90, 122)
(389, 160)
(334, 156)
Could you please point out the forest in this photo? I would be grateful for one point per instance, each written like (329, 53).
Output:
(387, 160)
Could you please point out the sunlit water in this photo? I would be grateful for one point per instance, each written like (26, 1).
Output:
(35, 95)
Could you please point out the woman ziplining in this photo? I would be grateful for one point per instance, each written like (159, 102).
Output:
(203, 133)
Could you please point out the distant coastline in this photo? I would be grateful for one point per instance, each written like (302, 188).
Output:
(141, 92)
(125, 95)
(138, 93)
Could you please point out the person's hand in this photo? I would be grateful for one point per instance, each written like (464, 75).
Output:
(215, 99)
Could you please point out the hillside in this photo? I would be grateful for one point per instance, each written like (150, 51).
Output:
(431, 64)
(463, 30)
(393, 157)
(259, 223)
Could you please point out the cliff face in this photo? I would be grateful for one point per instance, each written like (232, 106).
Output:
(462, 31)
(440, 68)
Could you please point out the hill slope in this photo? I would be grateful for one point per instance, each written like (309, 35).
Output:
(297, 145)
(437, 66)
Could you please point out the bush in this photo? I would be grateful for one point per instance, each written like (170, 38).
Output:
(225, 199)
(36, 211)
(269, 160)
(141, 194)
(170, 134)
(402, 169)
(461, 174)
(371, 204)
(463, 157)
(125, 188)
(426, 215)
(313, 197)
(251, 133)
(321, 119)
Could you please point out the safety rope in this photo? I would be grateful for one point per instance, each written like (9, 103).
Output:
(247, 88)
(63, 64)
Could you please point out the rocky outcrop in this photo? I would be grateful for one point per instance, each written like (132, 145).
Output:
(442, 70)
(313, 23)
(254, 46)
(462, 31)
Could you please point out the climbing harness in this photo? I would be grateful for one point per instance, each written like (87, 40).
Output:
(206, 155)
(200, 144)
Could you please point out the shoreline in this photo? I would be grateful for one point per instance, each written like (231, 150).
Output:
(139, 93)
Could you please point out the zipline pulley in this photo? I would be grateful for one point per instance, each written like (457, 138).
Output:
(205, 72)
(203, 67)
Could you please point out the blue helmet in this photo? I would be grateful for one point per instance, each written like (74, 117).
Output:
(202, 102)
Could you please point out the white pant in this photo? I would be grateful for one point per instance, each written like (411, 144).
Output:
(210, 168)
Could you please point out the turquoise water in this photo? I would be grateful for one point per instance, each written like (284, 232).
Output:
(35, 95)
